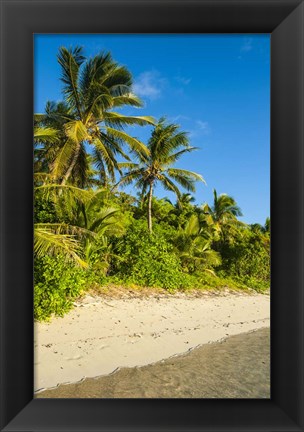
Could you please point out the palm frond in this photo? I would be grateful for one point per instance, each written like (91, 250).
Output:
(70, 62)
(49, 240)
(100, 166)
(225, 206)
(169, 185)
(45, 134)
(119, 120)
(127, 165)
(104, 219)
(190, 174)
(117, 76)
(65, 155)
(41, 176)
(113, 144)
(135, 145)
(183, 180)
(93, 71)
(98, 100)
(82, 173)
(131, 176)
(192, 227)
(171, 159)
(76, 131)
(128, 99)
(106, 155)
(166, 138)
(68, 192)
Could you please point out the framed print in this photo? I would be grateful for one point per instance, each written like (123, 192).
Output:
(283, 21)
(140, 259)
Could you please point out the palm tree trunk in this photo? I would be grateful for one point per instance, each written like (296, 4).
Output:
(150, 208)
(72, 165)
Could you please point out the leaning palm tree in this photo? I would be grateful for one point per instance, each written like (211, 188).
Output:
(57, 237)
(166, 145)
(92, 90)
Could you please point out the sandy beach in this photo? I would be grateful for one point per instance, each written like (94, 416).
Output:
(237, 367)
(101, 335)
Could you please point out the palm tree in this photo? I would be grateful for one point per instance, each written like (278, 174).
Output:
(56, 237)
(44, 138)
(222, 216)
(267, 225)
(185, 200)
(92, 89)
(61, 237)
(257, 228)
(105, 223)
(194, 247)
(165, 146)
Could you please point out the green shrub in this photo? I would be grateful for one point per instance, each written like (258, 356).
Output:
(44, 210)
(57, 284)
(248, 260)
(148, 259)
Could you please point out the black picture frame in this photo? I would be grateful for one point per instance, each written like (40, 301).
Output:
(284, 20)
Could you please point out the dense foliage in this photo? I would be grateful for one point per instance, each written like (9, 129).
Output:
(148, 260)
(90, 233)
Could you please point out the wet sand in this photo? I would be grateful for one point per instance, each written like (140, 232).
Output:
(237, 367)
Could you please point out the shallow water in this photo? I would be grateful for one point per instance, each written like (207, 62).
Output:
(238, 367)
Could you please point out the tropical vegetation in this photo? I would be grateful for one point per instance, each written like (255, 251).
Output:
(90, 233)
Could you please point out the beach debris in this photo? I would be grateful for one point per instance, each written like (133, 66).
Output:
(48, 345)
(108, 304)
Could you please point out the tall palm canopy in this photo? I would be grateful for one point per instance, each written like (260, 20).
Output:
(92, 89)
(166, 145)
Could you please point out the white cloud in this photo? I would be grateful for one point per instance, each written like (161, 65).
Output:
(201, 128)
(178, 117)
(183, 80)
(202, 125)
(247, 45)
(149, 84)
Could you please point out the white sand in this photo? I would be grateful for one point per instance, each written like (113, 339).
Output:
(100, 335)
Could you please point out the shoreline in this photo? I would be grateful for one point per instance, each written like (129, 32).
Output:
(101, 336)
(207, 371)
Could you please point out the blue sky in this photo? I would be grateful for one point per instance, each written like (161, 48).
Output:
(216, 87)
